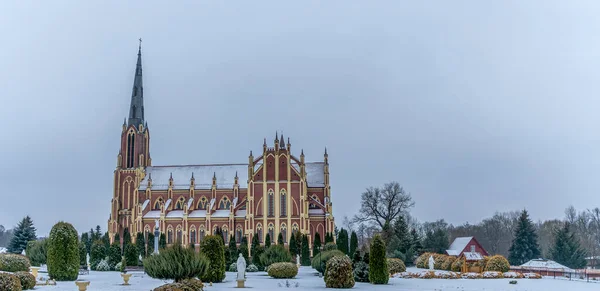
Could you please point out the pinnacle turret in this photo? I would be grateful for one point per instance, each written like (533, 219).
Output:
(136, 110)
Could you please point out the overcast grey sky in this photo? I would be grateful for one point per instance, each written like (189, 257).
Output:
(473, 106)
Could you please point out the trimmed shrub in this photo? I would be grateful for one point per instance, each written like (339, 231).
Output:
(338, 273)
(103, 266)
(214, 250)
(114, 254)
(251, 268)
(9, 282)
(482, 263)
(320, 261)
(36, 252)
(14, 263)
(285, 270)
(232, 267)
(63, 252)
(447, 265)
(176, 263)
(330, 246)
(378, 268)
(361, 272)
(395, 266)
(438, 261)
(131, 254)
(118, 266)
(27, 280)
(423, 261)
(193, 283)
(258, 251)
(456, 266)
(174, 287)
(497, 263)
(275, 254)
(97, 254)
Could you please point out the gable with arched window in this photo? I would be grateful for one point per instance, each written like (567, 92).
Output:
(180, 203)
(225, 204)
(271, 203)
(312, 204)
(283, 202)
(202, 203)
(157, 204)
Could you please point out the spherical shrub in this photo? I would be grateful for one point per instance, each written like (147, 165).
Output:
(14, 263)
(176, 263)
(27, 280)
(378, 268)
(330, 246)
(423, 261)
(193, 283)
(456, 265)
(438, 261)
(9, 282)
(338, 273)
(214, 250)
(482, 263)
(497, 263)
(283, 270)
(395, 266)
(174, 287)
(275, 254)
(232, 267)
(320, 260)
(103, 266)
(63, 252)
(447, 265)
(361, 272)
(251, 268)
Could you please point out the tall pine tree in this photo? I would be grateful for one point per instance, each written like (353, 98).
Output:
(267, 241)
(567, 250)
(280, 239)
(22, 234)
(353, 243)
(150, 244)
(231, 254)
(162, 241)
(342, 241)
(316, 244)
(87, 242)
(525, 245)
(305, 256)
(141, 244)
(436, 241)
(293, 246)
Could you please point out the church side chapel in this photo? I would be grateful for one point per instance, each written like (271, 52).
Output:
(274, 192)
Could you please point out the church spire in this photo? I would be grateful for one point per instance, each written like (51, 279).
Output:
(136, 110)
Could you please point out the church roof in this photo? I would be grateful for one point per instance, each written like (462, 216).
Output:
(224, 173)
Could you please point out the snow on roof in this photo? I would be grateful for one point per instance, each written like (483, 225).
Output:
(241, 213)
(458, 245)
(212, 203)
(203, 176)
(545, 264)
(220, 213)
(197, 213)
(152, 214)
(315, 174)
(190, 202)
(473, 256)
(316, 211)
(175, 214)
(235, 200)
(145, 204)
(168, 203)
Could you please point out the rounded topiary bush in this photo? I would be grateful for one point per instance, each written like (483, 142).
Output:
(63, 252)
(497, 263)
(338, 273)
(482, 263)
(9, 282)
(175, 263)
(214, 250)
(27, 280)
(320, 260)
(330, 246)
(283, 270)
(14, 263)
(447, 265)
(193, 283)
(423, 261)
(251, 268)
(438, 261)
(456, 265)
(232, 267)
(275, 254)
(378, 268)
(395, 266)
(174, 287)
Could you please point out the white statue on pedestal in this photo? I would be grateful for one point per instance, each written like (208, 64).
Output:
(241, 268)
(298, 261)
(431, 262)
(87, 261)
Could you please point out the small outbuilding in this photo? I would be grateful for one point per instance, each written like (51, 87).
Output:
(468, 244)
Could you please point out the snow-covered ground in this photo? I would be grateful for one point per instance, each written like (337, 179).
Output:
(308, 280)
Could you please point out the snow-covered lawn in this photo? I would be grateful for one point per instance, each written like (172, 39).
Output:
(308, 280)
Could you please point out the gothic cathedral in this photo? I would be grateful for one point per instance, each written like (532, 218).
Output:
(274, 193)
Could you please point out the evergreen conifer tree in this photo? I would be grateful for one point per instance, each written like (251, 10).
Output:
(92, 235)
(436, 241)
(106, 240)
(305, 256)
(525, 245)
(316, 244)
(140, 244)
(353, 243)
(232, 253)
(293, 246)
(567, 250)
(378, 268)
(280, 239)
(328, 237)
(162, 241)
(23, 233)
(243, 249)
(219, 233)
(415, 243)
(267, 241)
(98, 232)
(126, 237)
(86, 241)
(150, 244)
(114, 254)
(342, 241)
(254, 245)
(117, 239)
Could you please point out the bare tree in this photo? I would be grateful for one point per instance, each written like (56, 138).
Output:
(383, 206)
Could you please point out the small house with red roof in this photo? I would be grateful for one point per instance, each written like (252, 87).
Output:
(468, 244)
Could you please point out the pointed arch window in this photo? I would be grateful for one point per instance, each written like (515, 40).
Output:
(272, 233)
(179, 204)
(193, 235)
(225, 234)
(259, 232)
(283, 202)
(179, 235)
(238, 234)
(170, 235)
(130, 148)
(202, 203)
(284, 232)
(225, 204)
(294, 228)
(202, 233)
(157, 204)
(271, 203)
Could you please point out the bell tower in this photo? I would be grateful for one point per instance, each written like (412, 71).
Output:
(133, 158)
